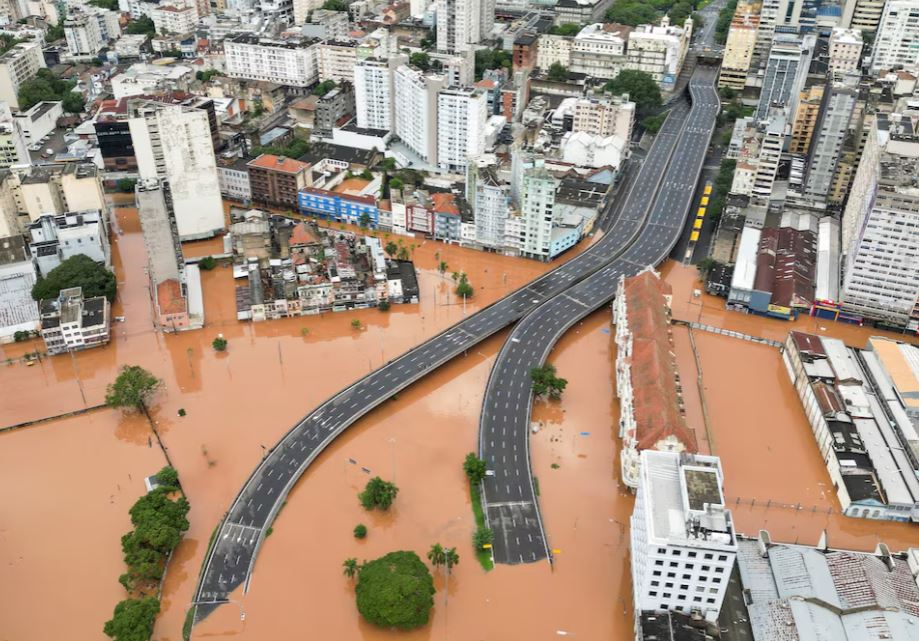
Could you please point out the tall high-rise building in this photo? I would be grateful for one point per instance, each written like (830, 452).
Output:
(461, 116)
(374, 93)
(880, 226)
(829, 135)
(489, 198)
(897, 35)
(174, 143)
(845, 49)
(776, 16)
(863, 15)
(683, 539)
(462, 23)
(786, 71)
(415, 113)
(537, 207)
(740, 45)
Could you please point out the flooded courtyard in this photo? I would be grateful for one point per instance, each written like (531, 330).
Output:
(79, 476)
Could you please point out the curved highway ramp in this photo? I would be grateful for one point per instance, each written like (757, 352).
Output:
(653, 216)
(230, 558)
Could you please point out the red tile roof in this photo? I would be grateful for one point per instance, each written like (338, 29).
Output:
(169, 297)
(279, 163)
(445, 203)
(653, 368)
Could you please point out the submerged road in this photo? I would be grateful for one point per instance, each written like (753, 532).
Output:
(656, 209)
(231, 557)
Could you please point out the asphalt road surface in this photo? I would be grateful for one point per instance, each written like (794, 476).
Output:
(230, 559)
(657, 208)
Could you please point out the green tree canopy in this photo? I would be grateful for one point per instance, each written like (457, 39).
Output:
(474, 467)
(133, 387)
(378, 494)
(168, 478)
(420, 60)
(491, 59)
(566, 29)
(396, 183)
(545, 382)
(631, 12)
(335, 5)
(143, 25)
(640, 86)
(557, 72)
(323, 88)
(395, 591)
(463, 288)
(111, 5)
(76, 271)
(133, 619)
(44, 85)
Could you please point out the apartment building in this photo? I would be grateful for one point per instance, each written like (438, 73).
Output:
(760, 151)
(683, 540)
(659, 50)
(489, 198)
(415, 115)
(864, 15)
(174, 19)
(17, 65)
(806, 114)
(552, 49)
(845, 50)
(740, 45)
(598, 50)
(84, 37)
(898, 29)
(880, 226)
(174, 143)
(604, 116)
(275, 180)
(461, 116)
(147, 79)
(775, 17)
(336, 60)
(374, 93)
(233, 176)
(830, 132)
(71, 322)
(286, 62)
(537, 207)
(13, 148)
(55, 238)
(463, 23)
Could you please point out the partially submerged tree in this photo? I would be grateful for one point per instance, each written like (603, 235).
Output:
(132, 389)
(378, 494)
(395, 591)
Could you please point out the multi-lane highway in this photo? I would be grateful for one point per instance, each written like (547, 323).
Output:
(653, 215)
(230, 559)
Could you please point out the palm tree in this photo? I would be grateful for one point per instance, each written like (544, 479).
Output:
(350, 568)
(451, 558)
(442, 268)
(437, 555)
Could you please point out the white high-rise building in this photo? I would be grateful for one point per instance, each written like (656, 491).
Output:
(489, 198)
(897, 34)
(537, 208)
(285, 62)
(374, 94)
(862, 14)
(880, 232)
(461, 23)
(17, 65)
(84, 38)
(174, 143)
(683, 539)
(775, 13)
(461, 116)
(415, 114)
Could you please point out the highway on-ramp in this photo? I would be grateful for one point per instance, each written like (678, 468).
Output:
(656, 207)
(231, 557)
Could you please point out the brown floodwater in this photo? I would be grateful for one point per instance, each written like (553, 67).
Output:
(66, 490)
(272, 374)
(421, 440)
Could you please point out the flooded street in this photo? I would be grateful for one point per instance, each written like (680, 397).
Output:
(421, 439)
(66, 491)
(69, 471)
